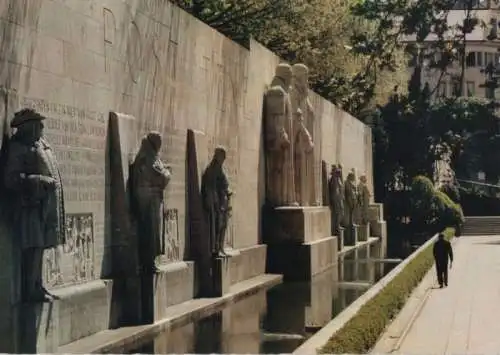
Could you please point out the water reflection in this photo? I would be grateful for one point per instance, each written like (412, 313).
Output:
(277, 320)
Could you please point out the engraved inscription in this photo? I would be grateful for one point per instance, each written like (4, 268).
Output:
(74, 261)
(134, 51)
(171, 235)
(79, 139)
(109, 36)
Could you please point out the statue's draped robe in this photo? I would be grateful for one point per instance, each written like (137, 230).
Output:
(149, 179)
(300, 100)
(215, 196)
(364, 202)
(351, 202)
(303, 145)
(280, 185)
(38, 214)
(336, 188)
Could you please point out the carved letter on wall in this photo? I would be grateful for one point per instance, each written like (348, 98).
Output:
(73, 262)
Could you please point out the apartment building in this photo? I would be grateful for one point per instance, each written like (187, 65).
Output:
(482, 47)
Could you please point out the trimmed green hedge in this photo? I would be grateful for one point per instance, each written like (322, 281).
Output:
(361, 333)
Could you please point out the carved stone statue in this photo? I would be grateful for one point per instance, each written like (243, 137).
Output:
(336, 191)
(303, 150)
(33, 183)
(149, 178)
(280, 185)
(351, 199)
(364, 199)
(299, 96)
(216, 197)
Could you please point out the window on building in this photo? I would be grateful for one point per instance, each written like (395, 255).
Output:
(441, 91)
(471, 59)
(480, 59)
(471, 88)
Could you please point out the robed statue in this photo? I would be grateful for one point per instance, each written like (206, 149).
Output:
(279, 151)
(303, 124)
(216, 197)
(351, 199)
(364, 199)
(35, 193)
(149, 178)
(336, 192)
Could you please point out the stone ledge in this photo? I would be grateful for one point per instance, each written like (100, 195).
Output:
(321, 337)
(300, 224)
(127, 338)
(247, 263)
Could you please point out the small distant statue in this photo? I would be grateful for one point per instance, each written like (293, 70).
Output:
(299, 96)
(351, 199)
(33, 180)
(336, 191)
(149, 179)
(216, 197)
(280, 184)
(364, 199)
(303, 156)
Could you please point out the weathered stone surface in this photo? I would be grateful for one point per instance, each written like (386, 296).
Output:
(351, 235)
(300, 224)
(221, 277)
(173, 284)
(248, 263)
(299, 262)
(39, 327)
(135, 58)
(363, 232)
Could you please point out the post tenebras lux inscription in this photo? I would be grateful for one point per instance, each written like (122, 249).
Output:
(79, 138)
(74, 261)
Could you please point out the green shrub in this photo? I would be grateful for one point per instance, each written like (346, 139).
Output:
(361, 333)
(452, 191)
(432, 210)
(449, 212)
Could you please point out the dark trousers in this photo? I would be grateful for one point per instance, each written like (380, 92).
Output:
(442, 273)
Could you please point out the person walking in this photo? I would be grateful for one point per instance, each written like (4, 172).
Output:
(442, 252)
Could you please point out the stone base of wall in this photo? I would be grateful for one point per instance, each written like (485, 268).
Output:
(249, 262)
(363, 232)
(79, 311)
(300, 262)
(174, 284)
(299, 242)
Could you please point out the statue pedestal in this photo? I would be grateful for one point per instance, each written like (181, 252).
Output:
(340, 238)
(299, 242)
(39, 327)
(351, 235)
(364, 232)
(221, 278)
(171, 285)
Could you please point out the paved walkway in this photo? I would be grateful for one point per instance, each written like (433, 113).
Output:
(465, 316)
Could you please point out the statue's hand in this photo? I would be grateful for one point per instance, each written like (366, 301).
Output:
(285, 140)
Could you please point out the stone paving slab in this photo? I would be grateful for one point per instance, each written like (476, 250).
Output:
(463, 318)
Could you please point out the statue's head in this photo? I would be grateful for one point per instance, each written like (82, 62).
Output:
(219, 155)
(28, 124)
(351, 177)
(300, 74)
(363, 179)
(284, 72)
(154, 140)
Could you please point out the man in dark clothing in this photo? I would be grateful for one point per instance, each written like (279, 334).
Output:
(442, 251)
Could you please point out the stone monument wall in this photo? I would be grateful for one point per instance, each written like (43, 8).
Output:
(75, 61)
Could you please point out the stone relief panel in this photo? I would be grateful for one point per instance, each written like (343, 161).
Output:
(73, 262)
(171, 237)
